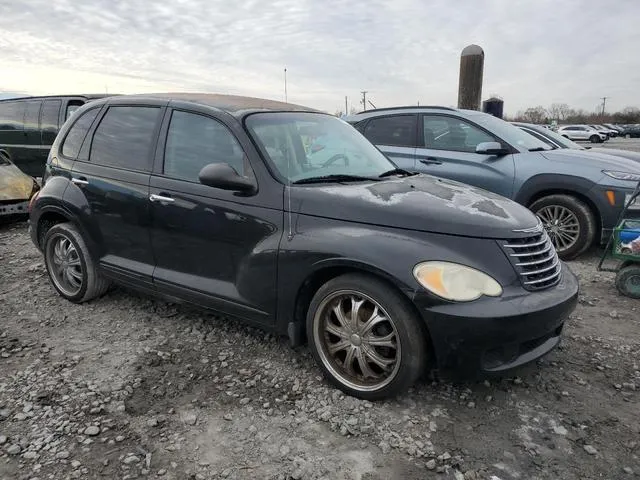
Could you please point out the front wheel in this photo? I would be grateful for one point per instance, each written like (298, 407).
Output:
(628, 281)
(595, 139)
(365, 337)
(71, 269)
(569, 222)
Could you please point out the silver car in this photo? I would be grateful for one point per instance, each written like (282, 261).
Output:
(582, 132)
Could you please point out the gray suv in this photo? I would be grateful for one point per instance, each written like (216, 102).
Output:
(577, 197)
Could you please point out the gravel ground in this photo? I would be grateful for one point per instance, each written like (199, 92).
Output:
(132, 387)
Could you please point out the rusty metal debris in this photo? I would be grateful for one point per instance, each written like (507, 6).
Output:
(16, 189)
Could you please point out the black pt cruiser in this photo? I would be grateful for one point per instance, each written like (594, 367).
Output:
(288, 218)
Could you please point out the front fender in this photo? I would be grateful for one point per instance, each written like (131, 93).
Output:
(321, 244)
(554, 182)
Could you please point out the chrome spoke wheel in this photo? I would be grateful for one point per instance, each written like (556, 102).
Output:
(357, 340)
(561, 225)
(65, 267)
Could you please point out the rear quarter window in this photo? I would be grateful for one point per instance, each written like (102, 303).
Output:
(73, 141)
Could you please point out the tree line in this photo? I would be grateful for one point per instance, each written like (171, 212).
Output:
(563, 113)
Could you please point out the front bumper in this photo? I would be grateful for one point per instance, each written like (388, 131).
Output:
(492, 335)
(14, 208)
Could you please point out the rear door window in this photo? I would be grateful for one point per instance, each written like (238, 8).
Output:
(75, 137)
(396, 130)
(12, 115)
(50, 116)
(31, 115)
(124, 138)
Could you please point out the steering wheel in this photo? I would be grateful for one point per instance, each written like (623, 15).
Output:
(335, 158)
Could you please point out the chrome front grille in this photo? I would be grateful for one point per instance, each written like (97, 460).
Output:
(535, 259)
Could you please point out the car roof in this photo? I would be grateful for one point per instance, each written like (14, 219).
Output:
(44, 97)
(376, 112)
(233, 104)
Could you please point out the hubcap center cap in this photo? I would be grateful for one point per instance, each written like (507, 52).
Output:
(356, 341)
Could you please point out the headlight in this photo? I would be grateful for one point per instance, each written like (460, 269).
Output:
(455, 282)
(634, 177)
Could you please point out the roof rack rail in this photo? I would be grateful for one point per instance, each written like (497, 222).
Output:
(406, 107)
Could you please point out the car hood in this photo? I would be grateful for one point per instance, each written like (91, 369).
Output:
(635, 156)
(14, 185)
(589, 158)
(420, 202)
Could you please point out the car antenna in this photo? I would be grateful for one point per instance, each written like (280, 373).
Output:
(290, 234)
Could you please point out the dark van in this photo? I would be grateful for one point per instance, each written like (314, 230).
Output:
(29, 125)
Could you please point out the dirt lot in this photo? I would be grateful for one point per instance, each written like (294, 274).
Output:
(622, 143)
(132, 387)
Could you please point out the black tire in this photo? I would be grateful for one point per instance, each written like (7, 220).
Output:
(628, 280)
(595, 139)
(412, 344)
(585, 217)
(92, 285)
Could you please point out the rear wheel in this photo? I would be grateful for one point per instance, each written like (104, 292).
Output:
(365, 337)
(595, 139)
(568, 221)
(628, 281)
(71, 269)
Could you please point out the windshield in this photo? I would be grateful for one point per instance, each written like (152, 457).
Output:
(311, 145)
(559, 139)
(509, 133)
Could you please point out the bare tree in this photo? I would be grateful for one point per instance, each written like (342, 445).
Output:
(559, 111)
(627, 115)
(535, 114)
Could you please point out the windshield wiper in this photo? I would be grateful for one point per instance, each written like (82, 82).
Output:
(335, 178)
(397, 171)
(538, 149)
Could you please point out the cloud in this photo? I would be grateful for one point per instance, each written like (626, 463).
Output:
(401, 51)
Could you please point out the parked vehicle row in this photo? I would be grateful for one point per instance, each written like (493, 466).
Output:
(584, 132)
(576, 194)
(29, 125)
(290, 219)
(555, 140)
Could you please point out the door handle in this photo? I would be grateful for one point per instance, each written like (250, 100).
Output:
(160, 198)
(430, 161)
(80, 181)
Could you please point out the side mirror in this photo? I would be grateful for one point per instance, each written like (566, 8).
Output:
(223, 176)
(491, 148)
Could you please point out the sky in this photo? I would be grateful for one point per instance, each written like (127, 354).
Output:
(402, 52)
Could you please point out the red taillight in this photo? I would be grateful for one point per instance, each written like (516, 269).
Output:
(33, 199)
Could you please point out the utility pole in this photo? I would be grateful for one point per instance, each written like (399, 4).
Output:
(346, 106)
(364, 99)
(604, 102)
